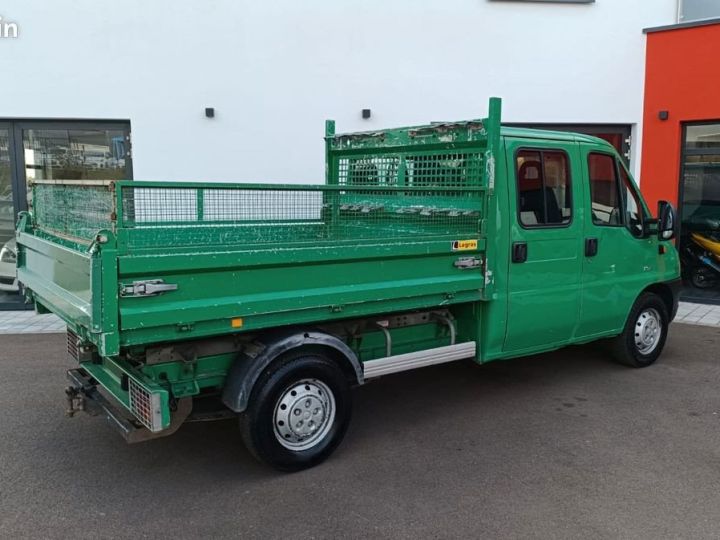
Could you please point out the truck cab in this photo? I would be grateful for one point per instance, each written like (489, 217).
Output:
(268, 302)
(582, 244)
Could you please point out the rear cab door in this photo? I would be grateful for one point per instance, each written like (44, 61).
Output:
(546, 234)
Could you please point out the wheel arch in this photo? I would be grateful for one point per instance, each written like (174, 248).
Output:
(668, 294)
(252, 361)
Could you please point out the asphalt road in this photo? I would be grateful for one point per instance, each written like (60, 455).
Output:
(563, 445)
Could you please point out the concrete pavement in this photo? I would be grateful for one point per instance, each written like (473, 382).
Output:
(563, 445)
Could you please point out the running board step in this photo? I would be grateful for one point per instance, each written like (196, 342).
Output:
(428, 357)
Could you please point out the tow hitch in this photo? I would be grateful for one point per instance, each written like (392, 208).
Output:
(75, 401)
(83, 395)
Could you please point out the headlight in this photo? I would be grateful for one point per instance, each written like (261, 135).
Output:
(7, 255)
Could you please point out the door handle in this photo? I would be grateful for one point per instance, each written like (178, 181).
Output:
(519, 252)
(591, 247)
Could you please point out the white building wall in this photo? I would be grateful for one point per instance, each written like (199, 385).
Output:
(274, 70)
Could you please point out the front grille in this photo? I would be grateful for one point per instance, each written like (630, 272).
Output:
(73, 343)
(145, 406)
(7, 281)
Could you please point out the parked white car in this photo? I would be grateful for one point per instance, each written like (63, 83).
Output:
(8, 274)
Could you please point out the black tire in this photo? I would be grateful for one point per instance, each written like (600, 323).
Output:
(625, 347)
(272, 391)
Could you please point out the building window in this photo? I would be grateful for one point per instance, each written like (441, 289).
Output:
(700, 211)
(697, 10)
(700, 208)
(75, 154)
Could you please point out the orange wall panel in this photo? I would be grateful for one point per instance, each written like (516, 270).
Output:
(683, 78)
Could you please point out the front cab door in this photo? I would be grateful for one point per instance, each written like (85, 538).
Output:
(619, 259)
(544, 183)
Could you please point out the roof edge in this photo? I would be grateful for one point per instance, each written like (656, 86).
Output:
(680, 26)
(535, 133)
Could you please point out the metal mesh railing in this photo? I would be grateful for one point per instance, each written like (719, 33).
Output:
(73, 210)
(198, 215)
(176, 215)
(450, 170)
(143, 207)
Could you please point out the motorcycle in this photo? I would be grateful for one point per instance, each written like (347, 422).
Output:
(701, 260)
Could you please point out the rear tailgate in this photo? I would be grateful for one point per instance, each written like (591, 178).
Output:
(58, 278)
(59, 262)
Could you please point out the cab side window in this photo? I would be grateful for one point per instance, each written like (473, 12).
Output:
(543, 182)
(604, 190)
(632, 207)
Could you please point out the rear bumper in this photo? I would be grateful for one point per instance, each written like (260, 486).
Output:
(136, 407)
(83, 395)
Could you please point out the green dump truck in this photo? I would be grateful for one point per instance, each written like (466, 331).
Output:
(427, 244)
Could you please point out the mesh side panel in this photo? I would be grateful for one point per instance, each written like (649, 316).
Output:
(369, 171)
(451, 170)
(261, 205)
(237, 215)
(76, 211)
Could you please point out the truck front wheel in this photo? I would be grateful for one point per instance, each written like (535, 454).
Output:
(298, 412)
(645, 332)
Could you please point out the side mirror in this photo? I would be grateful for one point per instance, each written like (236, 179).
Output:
(667, 220)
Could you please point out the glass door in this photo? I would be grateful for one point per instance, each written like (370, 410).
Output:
(51, 150)
(9, 206)
(700, 212)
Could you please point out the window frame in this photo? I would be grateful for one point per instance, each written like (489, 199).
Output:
(638, 200)
(695, 13)
(684, 153)
(619, 194)
(541, 151)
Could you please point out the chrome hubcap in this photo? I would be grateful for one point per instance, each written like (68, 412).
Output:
(648, 330)
(304, 414)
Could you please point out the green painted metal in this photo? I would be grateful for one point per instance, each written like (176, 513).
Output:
(404, 340)
(490, 223)
(110, 372)
(560, 296)
(61, 278)
(382, 236)
(553, 267)
(189, 378)
(623, 266)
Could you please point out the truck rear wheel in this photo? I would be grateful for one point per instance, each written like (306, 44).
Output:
(645, 332)
(298, 412)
